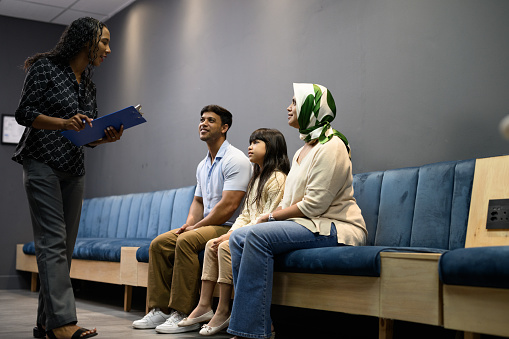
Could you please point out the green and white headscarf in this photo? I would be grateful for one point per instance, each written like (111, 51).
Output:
(315, 111)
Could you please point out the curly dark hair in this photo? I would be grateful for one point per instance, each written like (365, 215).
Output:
(77, 35)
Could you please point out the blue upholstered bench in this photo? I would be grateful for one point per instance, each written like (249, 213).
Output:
(109, 224)
(413, 216)
(476, 289)
(476, 266)
(420, 209)
(415, 266)
(475, 279)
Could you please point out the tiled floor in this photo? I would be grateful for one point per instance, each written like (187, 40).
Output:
(18, 309)
(100, 305)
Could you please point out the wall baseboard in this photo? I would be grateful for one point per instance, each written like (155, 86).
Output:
(15, 282)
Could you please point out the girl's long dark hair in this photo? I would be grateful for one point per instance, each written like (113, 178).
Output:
(77, 35)
(276, 159)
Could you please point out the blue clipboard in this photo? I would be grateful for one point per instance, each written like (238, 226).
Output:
(129, 117)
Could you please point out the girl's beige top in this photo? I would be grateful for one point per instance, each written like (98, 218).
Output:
(271, 197)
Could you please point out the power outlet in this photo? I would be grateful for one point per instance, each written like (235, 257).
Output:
(498, 214)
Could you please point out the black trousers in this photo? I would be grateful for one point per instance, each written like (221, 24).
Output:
(55, 199)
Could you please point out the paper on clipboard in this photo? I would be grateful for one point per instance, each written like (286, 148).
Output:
(129, 117)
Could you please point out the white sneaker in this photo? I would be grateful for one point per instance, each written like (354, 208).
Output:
(153, 318)
(170, 326)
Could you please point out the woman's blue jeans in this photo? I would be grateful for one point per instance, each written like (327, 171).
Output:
(253, 249)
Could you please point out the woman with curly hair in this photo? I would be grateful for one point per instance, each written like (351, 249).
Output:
(58, 94)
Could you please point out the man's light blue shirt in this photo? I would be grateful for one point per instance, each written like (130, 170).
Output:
(230, 171)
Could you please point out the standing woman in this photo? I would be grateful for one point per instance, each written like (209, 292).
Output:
(318, 210)
(58, 94)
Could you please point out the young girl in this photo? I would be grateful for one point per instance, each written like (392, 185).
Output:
(267, 152)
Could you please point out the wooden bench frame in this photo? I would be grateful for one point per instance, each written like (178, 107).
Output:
(91, 270)
(408, 289)
(481, 309)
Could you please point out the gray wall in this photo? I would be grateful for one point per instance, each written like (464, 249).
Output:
(22, 38)
(415, 82)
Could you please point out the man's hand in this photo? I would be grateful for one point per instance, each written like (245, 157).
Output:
(182, 229)
(185, 228)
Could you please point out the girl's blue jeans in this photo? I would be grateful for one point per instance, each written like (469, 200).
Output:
(253, 249)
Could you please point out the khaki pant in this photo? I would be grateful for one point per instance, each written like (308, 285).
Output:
(217, 267)
(174, 268)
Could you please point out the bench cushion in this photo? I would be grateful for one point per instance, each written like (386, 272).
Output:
(142, 254)
(340, 260)
(476, 266)
(102, 249)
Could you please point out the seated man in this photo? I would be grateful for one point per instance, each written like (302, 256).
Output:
(174, 269)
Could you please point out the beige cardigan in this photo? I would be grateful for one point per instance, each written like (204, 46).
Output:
(271, 197)
(321, 186)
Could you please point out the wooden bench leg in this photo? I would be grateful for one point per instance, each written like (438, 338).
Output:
(385, 328)
(33, 283)
(470, 335)
(128, 296)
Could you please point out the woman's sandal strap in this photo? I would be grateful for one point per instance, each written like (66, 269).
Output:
(76, 335)
(80, 331)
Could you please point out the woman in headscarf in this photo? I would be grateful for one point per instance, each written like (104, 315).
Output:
(318, 210)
